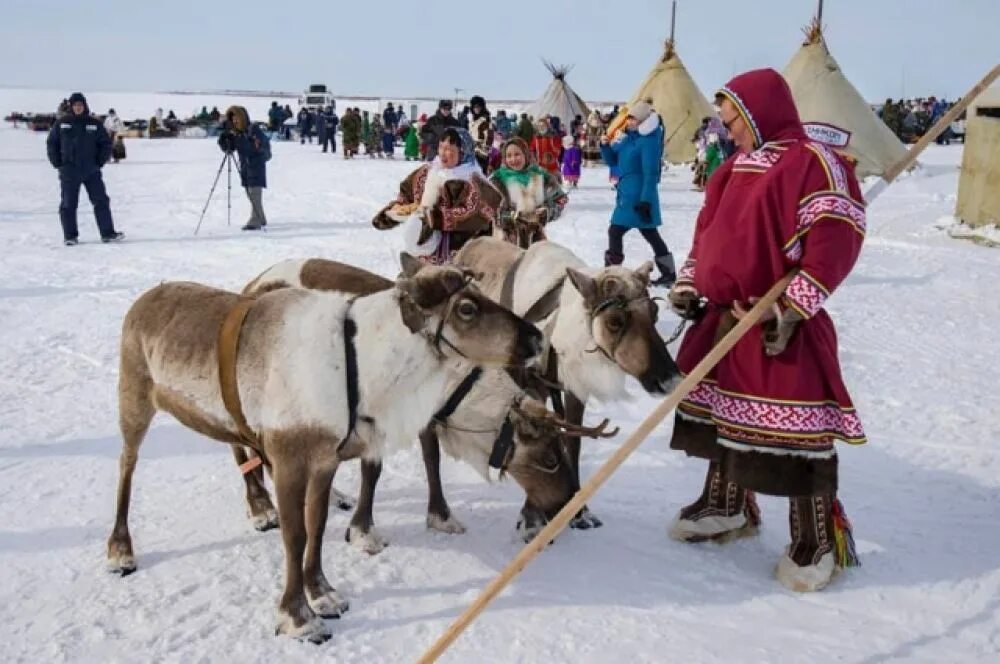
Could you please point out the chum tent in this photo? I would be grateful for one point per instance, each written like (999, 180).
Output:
(834, 111)
(674, 95)
(559, 99)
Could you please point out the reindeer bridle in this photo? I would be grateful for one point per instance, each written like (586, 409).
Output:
(622, 304)
(438, 338)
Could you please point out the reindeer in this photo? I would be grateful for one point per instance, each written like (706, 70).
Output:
(307, 379)
(488, 421)
(597, 331)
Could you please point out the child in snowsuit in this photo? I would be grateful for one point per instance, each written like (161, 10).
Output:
(572, 159)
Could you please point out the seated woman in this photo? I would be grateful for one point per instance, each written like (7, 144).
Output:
(451, 197)
(532, 196)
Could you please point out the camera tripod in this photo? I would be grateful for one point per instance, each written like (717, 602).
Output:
(227, 160)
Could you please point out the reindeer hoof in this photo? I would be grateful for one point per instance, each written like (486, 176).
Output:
(451, 525)
(370, 542)
(341, 501)
(265, 521)
(123, 564)
(585, 520)
(329, 605)
(313, 630)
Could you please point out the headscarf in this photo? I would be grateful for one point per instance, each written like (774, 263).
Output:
(507, 174)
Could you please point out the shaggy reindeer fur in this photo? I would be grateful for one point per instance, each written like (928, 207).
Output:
(292, 384)
(535, 464)
(595, 349)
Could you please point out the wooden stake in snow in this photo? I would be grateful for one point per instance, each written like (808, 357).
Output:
(943, 123)
(559, 522)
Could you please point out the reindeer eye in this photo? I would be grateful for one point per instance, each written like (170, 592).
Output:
(614, 323)
(467, 310)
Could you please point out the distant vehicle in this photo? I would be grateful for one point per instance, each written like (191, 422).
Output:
(316, 97)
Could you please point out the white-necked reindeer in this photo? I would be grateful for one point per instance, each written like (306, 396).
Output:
(295, 354)
(599, 323)
(473, 430)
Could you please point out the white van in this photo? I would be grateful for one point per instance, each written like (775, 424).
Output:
(316, 97)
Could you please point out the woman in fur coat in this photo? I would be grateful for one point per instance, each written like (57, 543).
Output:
(532, 196)
(449, 197)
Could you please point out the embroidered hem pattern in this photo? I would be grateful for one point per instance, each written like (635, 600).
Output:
(773, 425)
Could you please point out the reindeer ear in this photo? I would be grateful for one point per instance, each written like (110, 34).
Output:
(584, 284)
(410, 264)
(643, 271)
(413, 316)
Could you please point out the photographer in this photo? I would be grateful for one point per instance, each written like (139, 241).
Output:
(254, 151)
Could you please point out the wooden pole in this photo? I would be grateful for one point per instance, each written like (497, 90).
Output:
(819, 14)
(559, 522)
(673, 20)
(911, 155)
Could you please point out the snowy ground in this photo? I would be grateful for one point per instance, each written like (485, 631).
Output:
(917, 319)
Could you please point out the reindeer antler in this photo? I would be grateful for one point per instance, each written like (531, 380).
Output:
(534, 411)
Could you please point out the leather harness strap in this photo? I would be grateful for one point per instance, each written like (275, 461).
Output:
(228, 345)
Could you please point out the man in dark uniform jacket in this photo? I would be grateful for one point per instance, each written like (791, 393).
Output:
(78, 146)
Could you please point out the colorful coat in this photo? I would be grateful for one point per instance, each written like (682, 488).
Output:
(545, 149)
(531, 199)
(464, 210)
(636, 160)
(790, 204)
(412, 150)
(571, 162)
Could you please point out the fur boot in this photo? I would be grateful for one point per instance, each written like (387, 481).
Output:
(724, 511)
(821, 544)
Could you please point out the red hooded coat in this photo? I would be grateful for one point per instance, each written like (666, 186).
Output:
(791, 203)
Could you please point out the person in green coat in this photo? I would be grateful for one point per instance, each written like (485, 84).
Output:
(412, 150)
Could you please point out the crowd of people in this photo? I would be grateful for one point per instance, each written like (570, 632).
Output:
(910, 119)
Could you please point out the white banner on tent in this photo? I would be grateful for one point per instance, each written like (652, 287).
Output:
(829, 134)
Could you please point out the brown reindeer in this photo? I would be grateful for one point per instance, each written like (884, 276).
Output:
(473, 430)
(314, 379)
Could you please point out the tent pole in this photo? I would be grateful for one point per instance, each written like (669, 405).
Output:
(819, 14)
(673, 20)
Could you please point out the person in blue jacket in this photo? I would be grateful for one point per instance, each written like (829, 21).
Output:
(326, 125)
(254, 150)
(637, 155)
(78, 146)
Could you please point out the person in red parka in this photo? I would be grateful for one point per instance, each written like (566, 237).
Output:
(546, 146)
(767, 417)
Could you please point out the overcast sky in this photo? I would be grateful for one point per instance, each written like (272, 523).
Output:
(491, 47)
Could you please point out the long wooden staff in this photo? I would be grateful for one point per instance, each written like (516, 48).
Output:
(559, 522)
(936, 130)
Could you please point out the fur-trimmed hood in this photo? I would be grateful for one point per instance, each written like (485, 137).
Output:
(238, 117)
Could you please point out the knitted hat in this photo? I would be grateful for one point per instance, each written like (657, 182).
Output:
(640, 111)
(77, 97)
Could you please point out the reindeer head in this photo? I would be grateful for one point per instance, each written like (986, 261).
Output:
(538, 461)
(460, 321)
(623, 324)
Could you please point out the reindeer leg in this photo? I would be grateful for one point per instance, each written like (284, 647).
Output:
(295, 617)
(574, 415)
(531, 522)
(263, 516)
(439, 515)
(361, 532)
(322, 597)
(135, 412)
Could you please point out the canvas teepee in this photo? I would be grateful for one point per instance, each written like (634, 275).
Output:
(834, 111)
(559, 99)
(674, 95)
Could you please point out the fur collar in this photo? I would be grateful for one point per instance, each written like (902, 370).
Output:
(649, 125)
